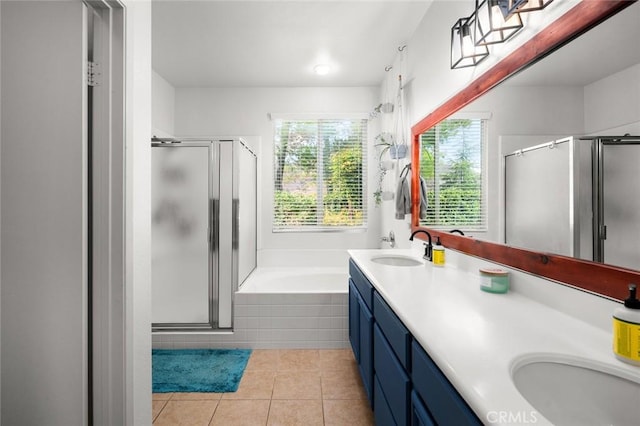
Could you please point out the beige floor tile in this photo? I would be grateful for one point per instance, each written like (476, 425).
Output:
(336, 359)
(263, 360)
(162, 396)
(254, 385)
(195, 396)
(241, 413)
(342, 385)
(294, 413)
(156, 407)
(299, 360)
(297, 385)
(347, 412)
(186, 413)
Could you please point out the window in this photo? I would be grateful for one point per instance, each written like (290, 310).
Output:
(451, 162)
(319, 174)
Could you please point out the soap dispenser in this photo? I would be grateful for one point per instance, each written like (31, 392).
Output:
(626, 329)
(438, 253)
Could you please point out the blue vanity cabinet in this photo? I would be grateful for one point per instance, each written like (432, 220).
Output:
(419, 414)
(394, 382)
(361, 326)
(404, 386)
(440, 398)
(354, 320)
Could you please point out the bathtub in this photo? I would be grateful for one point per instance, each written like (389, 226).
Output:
(297, 280)
(281, 307)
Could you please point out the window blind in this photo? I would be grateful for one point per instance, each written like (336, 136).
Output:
(319, 174)
(452, 164)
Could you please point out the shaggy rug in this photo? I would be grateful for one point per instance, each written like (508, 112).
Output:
(198, 370)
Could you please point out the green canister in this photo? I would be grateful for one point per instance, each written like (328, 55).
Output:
(494, 280)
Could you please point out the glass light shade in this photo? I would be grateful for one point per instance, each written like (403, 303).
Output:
(510, 7)
(464, 52)
(491, 25)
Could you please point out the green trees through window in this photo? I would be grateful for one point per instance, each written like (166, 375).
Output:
(451, 160)
(319, 172)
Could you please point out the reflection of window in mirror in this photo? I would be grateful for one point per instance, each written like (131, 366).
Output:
(452, 165)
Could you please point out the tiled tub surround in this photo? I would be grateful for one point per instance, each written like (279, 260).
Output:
(280, 307)
(476, 338)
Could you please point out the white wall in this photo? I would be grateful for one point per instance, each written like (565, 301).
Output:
(138, 213)
(612, 105)
(244, 111)
(551, 111)
(163, 104)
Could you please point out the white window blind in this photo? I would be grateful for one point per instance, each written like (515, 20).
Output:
(451, 162)
(319, 174)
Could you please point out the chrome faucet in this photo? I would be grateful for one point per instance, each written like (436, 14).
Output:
(428, 248)
(456, 231)
(391, 239)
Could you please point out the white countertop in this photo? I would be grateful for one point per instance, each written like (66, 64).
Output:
(475, 337)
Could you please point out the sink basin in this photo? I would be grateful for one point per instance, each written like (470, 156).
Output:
(571, 391)
(396, 260)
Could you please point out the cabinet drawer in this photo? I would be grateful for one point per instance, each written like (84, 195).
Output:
(382, 413)
(362, 284)
(419, 414)
(396, 333)
(394, 381)
(442, 400)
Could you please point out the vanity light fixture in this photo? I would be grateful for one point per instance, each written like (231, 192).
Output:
(491, 26)
(464, 51)
(510, 7)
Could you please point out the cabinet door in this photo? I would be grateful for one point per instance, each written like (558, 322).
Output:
(366, 349)
(382, 413)
(354, 321)
(394, 381)
(419, 414)
(442, 400)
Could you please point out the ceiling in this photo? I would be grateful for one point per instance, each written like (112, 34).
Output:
(277, 43)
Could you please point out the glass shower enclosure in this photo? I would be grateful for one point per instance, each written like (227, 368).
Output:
(203, 202)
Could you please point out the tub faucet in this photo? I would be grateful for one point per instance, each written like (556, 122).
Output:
(391, 239)
(456, 231)
(428, 248)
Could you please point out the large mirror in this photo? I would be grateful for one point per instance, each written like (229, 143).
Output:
(561, 98)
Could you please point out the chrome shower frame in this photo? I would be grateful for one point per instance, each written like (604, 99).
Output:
(224, 164)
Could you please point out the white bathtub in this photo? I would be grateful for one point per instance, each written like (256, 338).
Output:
(296, 280)
(281, 307)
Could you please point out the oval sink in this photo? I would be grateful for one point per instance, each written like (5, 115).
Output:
(578, 392)
(396, 260)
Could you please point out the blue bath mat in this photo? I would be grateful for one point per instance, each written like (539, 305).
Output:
(198, 370)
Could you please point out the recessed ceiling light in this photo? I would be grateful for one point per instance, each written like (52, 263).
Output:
(322, 69)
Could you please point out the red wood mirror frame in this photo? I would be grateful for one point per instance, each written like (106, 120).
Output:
(602, 279)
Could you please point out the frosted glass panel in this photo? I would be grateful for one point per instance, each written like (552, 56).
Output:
(538, 200)
(180, 248)
(622, 205)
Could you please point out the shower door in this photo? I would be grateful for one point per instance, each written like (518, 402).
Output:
(183, 264)
(617, 200)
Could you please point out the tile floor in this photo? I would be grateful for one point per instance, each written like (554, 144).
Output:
(279, 387)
